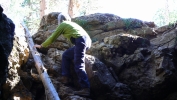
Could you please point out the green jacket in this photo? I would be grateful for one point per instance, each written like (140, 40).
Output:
(67, 29)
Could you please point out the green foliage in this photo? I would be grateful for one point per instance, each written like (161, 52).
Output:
(166, 15)
(31, 18)
(25, 3)
(127, 24)
(88, 6)
(172, 24)
(131, 23)
(83, 23)
(57, 6)
(161, 18)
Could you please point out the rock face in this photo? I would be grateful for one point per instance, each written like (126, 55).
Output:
(129, 60)
(7, 28)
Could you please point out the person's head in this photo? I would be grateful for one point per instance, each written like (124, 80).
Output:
(63, 17)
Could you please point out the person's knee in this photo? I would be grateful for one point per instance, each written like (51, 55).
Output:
(69, 53)
(64, 55)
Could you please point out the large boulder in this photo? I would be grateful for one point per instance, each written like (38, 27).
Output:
(101, 25)
(103, 83)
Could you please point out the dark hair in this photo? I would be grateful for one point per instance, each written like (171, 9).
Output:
(63, 17)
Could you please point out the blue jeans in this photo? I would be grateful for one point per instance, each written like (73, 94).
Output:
(77, 53)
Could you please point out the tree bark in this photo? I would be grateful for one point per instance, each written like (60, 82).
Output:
(49, 88)
(42, 8)
(73, 7)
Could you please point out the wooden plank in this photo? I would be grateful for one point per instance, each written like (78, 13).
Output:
(49, 88)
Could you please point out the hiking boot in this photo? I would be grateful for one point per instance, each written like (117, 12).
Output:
(64, 80)
(83, 92)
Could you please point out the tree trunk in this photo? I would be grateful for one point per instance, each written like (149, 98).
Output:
(73, 8)
(42, 8)
(49, 88)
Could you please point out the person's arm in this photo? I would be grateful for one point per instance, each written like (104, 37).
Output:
(54, 36)
(37, 46)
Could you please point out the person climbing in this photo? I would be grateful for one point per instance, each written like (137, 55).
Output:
(82, 42)
(7, 28)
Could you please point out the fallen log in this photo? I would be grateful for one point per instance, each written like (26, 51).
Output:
(49, 88)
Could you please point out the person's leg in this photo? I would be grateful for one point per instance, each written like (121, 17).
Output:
(67, 58)
(79, 62)
(81, 45)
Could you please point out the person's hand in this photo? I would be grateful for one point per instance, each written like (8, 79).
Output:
(37, 46)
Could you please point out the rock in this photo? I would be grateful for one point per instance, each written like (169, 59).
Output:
(167, 40)
(103, 83)
(117, 45)
(7, 28)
